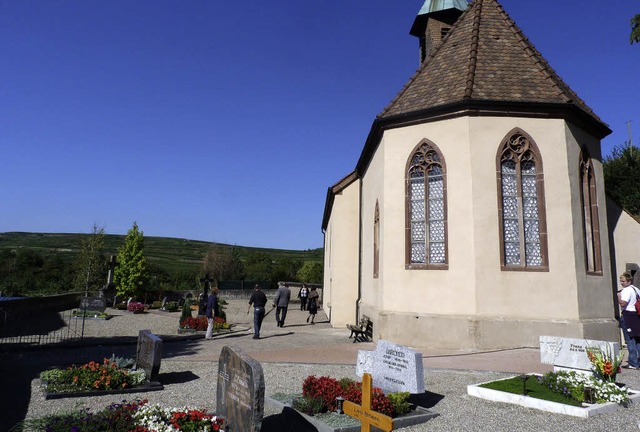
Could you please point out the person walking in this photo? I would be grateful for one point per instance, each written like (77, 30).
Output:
(211, 311)
(627, 298)
(258, 300)
(281, 302)
(302, 295)
(312, 305)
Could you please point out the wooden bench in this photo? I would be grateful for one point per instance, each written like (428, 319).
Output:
(363, 331)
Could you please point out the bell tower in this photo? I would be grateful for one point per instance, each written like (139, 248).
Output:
(434, 21)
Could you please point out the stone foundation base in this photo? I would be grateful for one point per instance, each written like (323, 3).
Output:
(482, 333)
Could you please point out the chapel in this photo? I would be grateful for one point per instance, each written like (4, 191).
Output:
(476, 215)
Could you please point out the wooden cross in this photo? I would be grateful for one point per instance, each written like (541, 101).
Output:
(364, 413)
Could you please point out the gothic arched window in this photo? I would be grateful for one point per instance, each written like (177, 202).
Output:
(590, 220)
(523, 231)
(426, 208)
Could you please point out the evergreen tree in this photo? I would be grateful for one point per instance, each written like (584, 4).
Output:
(622, 177)
(635, 29)
(130, 275)
(90, 262)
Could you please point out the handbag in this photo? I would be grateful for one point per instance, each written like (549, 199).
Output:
(637, 305)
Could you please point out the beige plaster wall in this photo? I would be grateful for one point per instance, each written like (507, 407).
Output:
(341, 257)
(474, 285)
(626, 234)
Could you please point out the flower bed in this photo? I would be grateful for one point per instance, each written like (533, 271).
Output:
(93, 378)
(135, 307)
(138, 416)
(200, 323)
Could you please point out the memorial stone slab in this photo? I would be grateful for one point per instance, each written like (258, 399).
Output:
(240, 391)
(394, 368)
(93, 304)
(566, 353)
(149, 354)
(364, 363)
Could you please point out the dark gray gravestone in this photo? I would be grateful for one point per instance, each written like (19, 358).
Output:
(149, 354)
(240, 391)
(93, 304)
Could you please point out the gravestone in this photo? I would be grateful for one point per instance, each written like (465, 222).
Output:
(566, 353)
(364, 364)
(394, 368)
(98, 304)
(239, 391)
(149, 354)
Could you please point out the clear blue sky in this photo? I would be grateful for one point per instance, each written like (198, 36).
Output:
(227, 121)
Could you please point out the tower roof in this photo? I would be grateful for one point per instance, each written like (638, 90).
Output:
(439, 5)
(486, 60)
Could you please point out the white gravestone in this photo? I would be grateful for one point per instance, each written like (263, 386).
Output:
(394, 368)
(566, 353)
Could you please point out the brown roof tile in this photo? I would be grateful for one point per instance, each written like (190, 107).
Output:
(485, 57)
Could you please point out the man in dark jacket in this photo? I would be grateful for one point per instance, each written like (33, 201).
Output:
(211, 311)
(282, 303)
(258, 300)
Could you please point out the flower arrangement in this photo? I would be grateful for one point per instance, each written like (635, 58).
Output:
(605, 365)
(136, 416)
(572, 385)
(135, 307)
(91, 376)
(200, 323)
(325, 390)
(157, 418)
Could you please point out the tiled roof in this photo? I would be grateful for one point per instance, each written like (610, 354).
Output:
(485, 57)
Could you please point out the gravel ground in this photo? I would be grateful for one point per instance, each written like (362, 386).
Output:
(189, 382)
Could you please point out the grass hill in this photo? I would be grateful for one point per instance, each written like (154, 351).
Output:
(173, 254)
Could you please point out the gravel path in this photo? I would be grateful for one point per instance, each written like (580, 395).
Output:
(189, 372)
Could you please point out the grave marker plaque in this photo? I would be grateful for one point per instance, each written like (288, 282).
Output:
(98, 304)
(394, 368)
(239, 391)
(149, 354)
(566, 353)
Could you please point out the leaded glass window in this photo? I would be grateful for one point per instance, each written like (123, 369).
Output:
(426, 208)
(522, 222)
(590, 221)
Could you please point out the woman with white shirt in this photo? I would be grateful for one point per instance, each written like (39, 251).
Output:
(627, 298)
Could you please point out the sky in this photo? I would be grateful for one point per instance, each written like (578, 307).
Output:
(226, 121)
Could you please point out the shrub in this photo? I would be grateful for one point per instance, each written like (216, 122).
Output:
(91, 376)
(171, 306)
(135, 307)
(400, 402)
(156, 305)
(309, 405)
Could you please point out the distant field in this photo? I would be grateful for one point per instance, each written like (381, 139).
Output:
(173, 254)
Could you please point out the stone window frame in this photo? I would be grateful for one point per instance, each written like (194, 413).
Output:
(376, 241)
(425, 266)
(542, 220)
(590, 215)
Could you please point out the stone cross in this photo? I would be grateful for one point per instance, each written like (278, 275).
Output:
(363, 413)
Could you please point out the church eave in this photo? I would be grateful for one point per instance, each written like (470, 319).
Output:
(479, 108)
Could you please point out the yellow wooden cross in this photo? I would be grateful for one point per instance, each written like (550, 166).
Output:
(364, 413)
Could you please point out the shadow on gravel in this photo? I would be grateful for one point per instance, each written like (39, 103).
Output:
(177, 377)
(289, 420)
(426, 400)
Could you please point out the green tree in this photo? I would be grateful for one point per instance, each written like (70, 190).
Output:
(635, 29)
(130, 275)
(622, 177)
(90, 262)
(259, 266)
(223, 263)
(311, 272)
